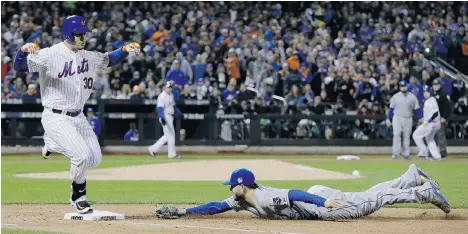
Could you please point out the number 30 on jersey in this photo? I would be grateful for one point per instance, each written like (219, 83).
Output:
(88, 82)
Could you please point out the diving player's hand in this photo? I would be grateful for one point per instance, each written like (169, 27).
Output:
(132, 47)
(30, 48)
(332, 203)
(163, 121)
(388, 123)
(167, 212)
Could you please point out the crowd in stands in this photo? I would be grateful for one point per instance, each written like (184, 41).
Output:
(321, 57)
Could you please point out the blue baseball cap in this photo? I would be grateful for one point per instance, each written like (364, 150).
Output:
(241, 176)
(90, 110)
(402, 83)
(437, 81)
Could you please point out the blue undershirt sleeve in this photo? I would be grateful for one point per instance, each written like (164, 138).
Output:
(390, 113)
(209, 208)
(299, 195)
(116, 57)
(419, 114)
(21, 62)
(160, 112)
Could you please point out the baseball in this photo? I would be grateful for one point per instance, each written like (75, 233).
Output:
(355, 173)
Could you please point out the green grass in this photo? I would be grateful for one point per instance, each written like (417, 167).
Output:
(452, 175)
(20, 231)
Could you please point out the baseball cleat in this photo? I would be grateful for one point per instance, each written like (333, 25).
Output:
(395, 156)
(439, 199)
(406, 157)
(176, 156)
(425, 177)
(45, 153)
(151, 152)
(81, 205)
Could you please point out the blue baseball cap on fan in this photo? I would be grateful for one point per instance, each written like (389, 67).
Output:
(241, 176)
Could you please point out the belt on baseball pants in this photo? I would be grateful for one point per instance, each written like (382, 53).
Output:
(69, 113)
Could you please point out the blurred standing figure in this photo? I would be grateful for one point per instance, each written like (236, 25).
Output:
(444, 109)
(402, 105)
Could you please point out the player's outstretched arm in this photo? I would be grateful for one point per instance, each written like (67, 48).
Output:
(210, 208)
(116, 56)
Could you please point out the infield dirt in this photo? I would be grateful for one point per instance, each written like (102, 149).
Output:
(141, 219)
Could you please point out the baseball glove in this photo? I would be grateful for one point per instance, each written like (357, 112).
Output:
(30, 48)
(132, 47)
(167, 212)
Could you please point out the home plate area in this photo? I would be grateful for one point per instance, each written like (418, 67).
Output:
(96, 215)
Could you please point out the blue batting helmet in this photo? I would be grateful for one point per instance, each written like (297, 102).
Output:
(428, 88)
(241, 176)
(74, 24)
(402, 83)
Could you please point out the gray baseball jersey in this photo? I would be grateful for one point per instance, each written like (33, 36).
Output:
(66, 79)
(404, 104)
(274, 203)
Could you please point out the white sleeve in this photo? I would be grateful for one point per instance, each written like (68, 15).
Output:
(101, 60)
(39, 61)
(160, 100)
(392, 102)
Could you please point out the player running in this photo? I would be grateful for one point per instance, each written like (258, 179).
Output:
(166, 110)
(319, 202)
(429, 127)
(402, 105)
(67, 73)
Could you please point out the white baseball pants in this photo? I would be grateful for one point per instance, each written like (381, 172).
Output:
(428, 133)
(168, 137)
(74, 137)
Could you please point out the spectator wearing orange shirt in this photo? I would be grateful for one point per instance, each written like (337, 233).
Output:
(293, 61)
(232, 64)
(159, 35)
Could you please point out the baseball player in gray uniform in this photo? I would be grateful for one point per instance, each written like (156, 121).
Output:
(319, 202)
(67, 74)
(402, 105)
(429, 127)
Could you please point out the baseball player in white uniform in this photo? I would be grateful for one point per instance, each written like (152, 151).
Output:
(319, 202)
(67, 73)
(166, 109)
(429, 127)
(402, 105)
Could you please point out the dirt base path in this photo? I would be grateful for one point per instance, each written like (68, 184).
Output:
(141, 219)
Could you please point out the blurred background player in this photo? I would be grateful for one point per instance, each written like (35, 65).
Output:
(166, 110)
(445, 108)
(93, 121)
(132, 134)
(429, 127)
(402, 105)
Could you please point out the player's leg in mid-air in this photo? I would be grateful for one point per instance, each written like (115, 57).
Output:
(397, 129)
(63, 131)
(168, 137)
(404, 189)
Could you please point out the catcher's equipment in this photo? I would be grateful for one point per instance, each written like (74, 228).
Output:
(167, 212)
(30, 48)
(132, 47)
